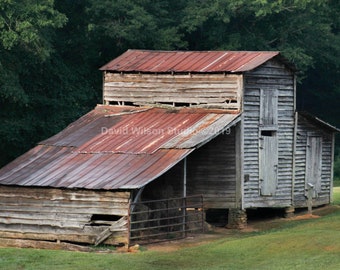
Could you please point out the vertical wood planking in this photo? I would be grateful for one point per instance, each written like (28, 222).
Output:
(305, 130)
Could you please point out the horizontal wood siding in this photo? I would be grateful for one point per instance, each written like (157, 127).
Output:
(271, 75)
(60, 214)
(305, 129)
(212, 172)
(195, 89)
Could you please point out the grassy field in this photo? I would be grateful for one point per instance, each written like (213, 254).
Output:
(295, 244)
(336, 195)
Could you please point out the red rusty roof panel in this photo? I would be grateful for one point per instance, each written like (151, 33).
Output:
(116, 147)
(188, 61)
(52, 166)
(130, 129)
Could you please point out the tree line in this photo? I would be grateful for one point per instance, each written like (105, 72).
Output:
(50, 51)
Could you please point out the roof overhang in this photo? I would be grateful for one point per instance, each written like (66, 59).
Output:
(317, 121)
(117, 147)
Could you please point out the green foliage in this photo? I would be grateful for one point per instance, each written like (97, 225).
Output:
(297, 28)
(120, 25)
(26, 23)
(39, 94)
(337, 171)
(50, 51)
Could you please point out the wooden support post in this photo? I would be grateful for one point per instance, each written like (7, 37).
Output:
(310, 191)
(289, 212)
(184, 210)
(239, 165)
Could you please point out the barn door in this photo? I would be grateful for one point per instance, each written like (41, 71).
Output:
(314, 163)
(268, 158)
(268, 146)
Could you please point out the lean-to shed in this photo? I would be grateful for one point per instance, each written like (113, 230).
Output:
(173, 124)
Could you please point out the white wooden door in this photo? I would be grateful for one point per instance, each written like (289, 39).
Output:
(314, 163)
(268, 157)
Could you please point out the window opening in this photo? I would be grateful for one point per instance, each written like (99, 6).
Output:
(268, 133)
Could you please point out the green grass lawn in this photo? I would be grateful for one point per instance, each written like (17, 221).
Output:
(304, 244)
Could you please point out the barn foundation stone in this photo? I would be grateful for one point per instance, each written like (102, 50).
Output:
(289, 212)
(237, 218)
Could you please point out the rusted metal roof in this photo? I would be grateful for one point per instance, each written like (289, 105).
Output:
(188, 61)
(116, 147)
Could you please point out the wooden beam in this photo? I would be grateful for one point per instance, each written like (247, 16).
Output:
(296, 119)
(239, 165)
(119, 225)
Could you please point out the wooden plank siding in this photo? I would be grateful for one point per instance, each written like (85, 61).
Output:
(323, 196)
(51, 214)
(217, 90)
(270, 76)
(212, 172)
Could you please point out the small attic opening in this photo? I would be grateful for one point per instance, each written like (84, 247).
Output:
(268, 133)
(130, 103)
(121, 103)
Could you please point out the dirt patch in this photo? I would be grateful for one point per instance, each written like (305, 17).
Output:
(302, 217)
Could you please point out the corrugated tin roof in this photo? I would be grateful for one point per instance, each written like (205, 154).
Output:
(116, 147)
(188, 61)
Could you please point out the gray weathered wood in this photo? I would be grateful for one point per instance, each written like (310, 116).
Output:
(216, 90)
(119, 225)
(64, 214)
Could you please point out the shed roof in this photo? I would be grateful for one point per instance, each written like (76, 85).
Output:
(116, 147)
(188, 61)
(317, 121)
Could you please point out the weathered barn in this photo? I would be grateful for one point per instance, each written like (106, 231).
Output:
(173, 125)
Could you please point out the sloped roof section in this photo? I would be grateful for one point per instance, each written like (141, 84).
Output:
(188, 61)
(318, 121)
(116, 147)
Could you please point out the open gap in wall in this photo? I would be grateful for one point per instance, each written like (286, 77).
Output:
(254, 214)
(268, 133)
(217, 217)
(175, 104)
(100, 220)
(230, 100)
(114, 103)
(121, 103)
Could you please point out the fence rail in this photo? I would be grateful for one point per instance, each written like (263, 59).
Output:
(164, 220)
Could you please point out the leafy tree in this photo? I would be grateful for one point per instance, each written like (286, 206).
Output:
(120, 25)
(50, 51)
(305, 31)
(25, 40)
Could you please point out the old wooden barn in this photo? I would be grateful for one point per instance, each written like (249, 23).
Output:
(180, 133)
